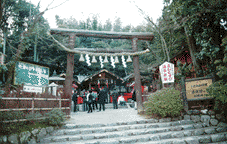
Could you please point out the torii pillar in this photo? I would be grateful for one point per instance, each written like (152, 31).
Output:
(137, 77)
(69, 73)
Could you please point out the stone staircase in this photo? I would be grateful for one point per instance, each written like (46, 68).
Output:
(151, 131)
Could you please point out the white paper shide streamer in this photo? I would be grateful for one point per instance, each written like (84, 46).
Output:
(101, 61)
(88, 60)
(112, 61)
(123, 61)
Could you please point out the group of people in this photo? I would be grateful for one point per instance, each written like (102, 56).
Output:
(92, 100)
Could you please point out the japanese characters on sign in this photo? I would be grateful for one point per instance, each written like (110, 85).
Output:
(31, 74)
(197, 89)
(167, 72)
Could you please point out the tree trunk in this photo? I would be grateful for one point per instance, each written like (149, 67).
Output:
(69, 73)
(137, 78)
(19, 52)
(192, 49)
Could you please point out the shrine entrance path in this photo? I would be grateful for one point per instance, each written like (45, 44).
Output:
(104, 117)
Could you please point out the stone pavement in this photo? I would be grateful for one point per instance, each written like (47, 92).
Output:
(104, 117)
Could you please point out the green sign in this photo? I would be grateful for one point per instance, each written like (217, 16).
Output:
(31, 74)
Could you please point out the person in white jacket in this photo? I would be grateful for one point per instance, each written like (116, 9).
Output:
(121, 100)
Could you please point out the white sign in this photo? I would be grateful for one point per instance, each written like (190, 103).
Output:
(33, 89)
(167, 72)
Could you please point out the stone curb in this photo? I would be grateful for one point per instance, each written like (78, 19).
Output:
(26, 135)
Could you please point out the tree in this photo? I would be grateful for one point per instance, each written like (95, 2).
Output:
(21, 29)
(204, 24)
(117, 27)
(95, 22)
(108, 25)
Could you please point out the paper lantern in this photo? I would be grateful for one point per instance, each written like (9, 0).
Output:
(81, 57)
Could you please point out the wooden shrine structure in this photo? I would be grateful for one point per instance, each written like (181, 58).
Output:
(72, 33)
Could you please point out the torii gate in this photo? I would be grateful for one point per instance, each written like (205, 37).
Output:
(72, 33)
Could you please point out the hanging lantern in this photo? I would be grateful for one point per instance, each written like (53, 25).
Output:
(93, 60)
(129, 59)
(116, 59)
(81, 57)
(105, 60)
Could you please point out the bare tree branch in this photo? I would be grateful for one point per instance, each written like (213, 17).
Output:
(157, 30)
(58, 5)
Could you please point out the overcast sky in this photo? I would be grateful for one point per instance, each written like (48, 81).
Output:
(82, 9)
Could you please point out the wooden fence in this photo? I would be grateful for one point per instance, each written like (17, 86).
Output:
(32, 107)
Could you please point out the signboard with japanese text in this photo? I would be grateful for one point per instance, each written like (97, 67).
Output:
(197, 89)
(31, 74)
(167, 72)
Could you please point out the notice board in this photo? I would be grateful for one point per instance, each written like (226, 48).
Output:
(197, 89)
(30, 74)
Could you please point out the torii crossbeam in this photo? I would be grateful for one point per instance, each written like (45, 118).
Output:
(134, 36)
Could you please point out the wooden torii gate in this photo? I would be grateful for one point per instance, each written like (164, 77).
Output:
(72, 33)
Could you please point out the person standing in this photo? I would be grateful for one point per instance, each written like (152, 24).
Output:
(94, 102)
(89, 100)
(102, 99)
(74, 99)
(115, 96)
(134, 99)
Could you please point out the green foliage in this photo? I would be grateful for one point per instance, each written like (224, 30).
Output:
(33, 116)
(8, 128)
(183, 69)
(55, 117)
(165, 102)
(218, 90)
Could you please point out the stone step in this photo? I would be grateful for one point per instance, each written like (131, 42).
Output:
(153, 128)
(164, 122)
(164, 138)
(223, 142)
(170, 126)
(162, 133)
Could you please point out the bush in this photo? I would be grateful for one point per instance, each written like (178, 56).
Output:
(218, 90)
(165, 102)
(34, 117)
(55, 117)
(13, 127)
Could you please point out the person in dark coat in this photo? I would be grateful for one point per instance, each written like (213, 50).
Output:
(74, 99)
(94, 102)
(134, 99)
(115, 97)
(134, 96)
(90, 100)
(102, 99)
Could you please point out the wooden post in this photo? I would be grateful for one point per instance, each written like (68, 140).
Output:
(33, 105)
(185, 101)
(69, 73)
(60, 103)
(137, 78)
